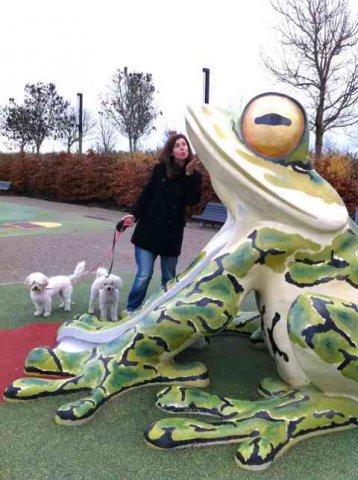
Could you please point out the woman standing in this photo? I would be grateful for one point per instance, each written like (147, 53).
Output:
(159, 214)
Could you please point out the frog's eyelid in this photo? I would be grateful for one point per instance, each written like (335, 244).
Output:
(237, 133)
(299, 169)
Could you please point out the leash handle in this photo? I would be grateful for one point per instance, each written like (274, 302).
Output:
(127, 221)
(122, 225)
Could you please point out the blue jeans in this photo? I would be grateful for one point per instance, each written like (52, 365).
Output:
(145, 264)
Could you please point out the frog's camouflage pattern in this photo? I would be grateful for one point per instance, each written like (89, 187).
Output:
(288, 237)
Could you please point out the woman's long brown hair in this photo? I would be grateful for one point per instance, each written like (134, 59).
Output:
(166, 156)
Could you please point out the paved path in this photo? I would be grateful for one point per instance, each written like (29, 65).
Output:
(58, 253)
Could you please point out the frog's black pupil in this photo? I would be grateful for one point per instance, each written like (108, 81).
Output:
(272, 119)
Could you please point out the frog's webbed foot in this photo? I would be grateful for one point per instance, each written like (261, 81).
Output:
(264, 428)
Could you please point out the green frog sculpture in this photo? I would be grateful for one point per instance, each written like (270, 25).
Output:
(288, 237)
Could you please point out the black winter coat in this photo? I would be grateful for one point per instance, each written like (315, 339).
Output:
(160, 211)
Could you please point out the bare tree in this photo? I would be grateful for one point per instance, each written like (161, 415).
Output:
(106, 136)
(129, 105)
(68, 129)
(319, 56)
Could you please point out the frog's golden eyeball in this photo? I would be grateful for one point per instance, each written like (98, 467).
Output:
(273, 125)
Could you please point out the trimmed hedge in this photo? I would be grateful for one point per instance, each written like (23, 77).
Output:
(106, 179)
(115, 180)
(341, 171)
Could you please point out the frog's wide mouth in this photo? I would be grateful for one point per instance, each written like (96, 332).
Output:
(304, 195)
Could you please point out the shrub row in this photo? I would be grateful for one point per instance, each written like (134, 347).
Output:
(116, 180)
(109, 180)
(341, 171)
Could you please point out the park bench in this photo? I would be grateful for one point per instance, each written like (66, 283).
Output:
(214, 213)
(4, 186)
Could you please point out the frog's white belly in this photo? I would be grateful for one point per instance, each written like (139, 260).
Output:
(324, 375)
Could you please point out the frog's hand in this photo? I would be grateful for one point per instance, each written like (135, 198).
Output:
(264, 428)
(237, 424)
(259, 436)
(54, 361)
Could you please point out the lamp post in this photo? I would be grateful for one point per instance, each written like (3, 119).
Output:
(80, 121)
(206, 72)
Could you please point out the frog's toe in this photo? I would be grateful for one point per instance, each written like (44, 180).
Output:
(179, 433)
(244, 323)
(52, 361)
(41, 361)
(80, 411)
(188, 373)
(255, 454)
(273, 387)
(257, 339)
(32, 388)
(180, 399)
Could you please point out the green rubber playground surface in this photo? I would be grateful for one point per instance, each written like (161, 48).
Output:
(22, 220)
(111, 446)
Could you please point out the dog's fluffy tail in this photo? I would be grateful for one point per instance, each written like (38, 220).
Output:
(78, 272)
(101, 272)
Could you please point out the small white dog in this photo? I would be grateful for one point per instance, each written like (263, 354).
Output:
(42, 289)
(107, 288)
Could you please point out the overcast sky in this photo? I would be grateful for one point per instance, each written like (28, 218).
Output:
(78, 44)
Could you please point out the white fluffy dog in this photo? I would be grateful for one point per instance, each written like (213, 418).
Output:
(42, 289)
(107, 288)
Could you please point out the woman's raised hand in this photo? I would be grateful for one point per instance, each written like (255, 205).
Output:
(192, 166)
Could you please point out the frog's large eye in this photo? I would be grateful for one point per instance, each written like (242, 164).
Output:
(273, 125)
